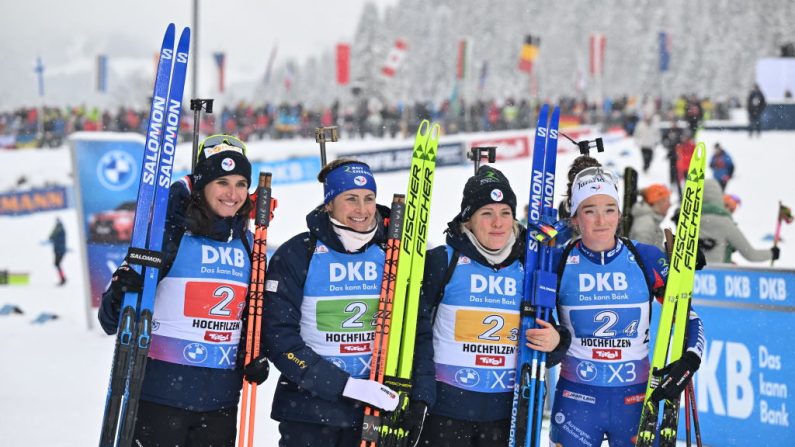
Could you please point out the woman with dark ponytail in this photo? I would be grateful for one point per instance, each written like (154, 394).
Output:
(192, 381)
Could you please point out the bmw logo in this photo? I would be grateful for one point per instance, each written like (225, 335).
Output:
(227, 164)
(195, 353)
(338, 362)
(359, 180)
(586, 371)
(496, 195)
(116, 170)
(467, 377)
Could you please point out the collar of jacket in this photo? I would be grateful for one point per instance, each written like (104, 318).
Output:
(321, 228)
(600, 257)
(462, 244)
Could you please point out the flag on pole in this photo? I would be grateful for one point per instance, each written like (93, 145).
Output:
(343, 63)
(271, 58)
(665, 50)
(395, 58)
(40, 74)
(220, 59)
(462, 59)
(785, 213)
(102, 73)
(289, 76)
(529, 53)
(596, 50)
(484, 73)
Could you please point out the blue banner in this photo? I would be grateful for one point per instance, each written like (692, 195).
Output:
(292, 170)
(32, 201)
(107, 169)
(399, 159)
(742, 387)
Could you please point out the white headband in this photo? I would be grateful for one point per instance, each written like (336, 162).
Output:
(592, 182)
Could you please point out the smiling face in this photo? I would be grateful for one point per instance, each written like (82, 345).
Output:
(492, 225)
(225, 195)
(354, 208)
(597, 218)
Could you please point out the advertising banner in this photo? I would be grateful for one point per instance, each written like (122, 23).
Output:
(107, 171)
(508, 148)
(389, 160)
(18, 203)
(742, 387)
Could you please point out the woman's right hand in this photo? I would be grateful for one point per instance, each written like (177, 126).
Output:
(545, 338)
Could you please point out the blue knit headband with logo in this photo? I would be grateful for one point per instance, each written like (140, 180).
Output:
(346, 177)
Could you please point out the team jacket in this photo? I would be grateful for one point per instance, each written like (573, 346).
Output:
(604, 300)
(320, 301)
(476, 328)
(200, 297)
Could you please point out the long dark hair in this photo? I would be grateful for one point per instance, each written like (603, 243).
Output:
(199, 216)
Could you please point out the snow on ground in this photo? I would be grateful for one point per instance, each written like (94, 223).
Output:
(53, 376)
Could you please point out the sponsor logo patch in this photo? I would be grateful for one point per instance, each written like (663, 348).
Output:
(227, 164)
(579, 397)
(490, 360)
(606, 354)
(573, 259)
(271, 285)
(634, 399)
(354, 348)
(217, 337)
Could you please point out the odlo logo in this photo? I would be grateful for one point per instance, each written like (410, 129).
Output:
(353, 271)
(496, 195)
(603, 282)
(495, 285)
(359, 180)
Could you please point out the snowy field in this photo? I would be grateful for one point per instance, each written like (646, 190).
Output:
(53, 376)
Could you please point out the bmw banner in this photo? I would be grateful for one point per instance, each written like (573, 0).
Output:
(106, 169)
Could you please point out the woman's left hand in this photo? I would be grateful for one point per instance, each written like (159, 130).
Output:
(545, 338)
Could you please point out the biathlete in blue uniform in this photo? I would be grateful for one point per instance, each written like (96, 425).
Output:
(475, 283)
(321, 297)
(192, 380)
(606, 288)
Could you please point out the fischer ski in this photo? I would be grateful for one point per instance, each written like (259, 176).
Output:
(256, 295)
(540, 284)
(396, 323)
(135, 321)
(676, 306)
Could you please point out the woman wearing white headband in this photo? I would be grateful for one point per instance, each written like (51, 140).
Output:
(605, 288)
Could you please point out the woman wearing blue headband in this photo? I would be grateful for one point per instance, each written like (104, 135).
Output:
(321, 298)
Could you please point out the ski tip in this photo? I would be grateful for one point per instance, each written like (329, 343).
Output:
(436, 131)
(424, 127)
(701, 150)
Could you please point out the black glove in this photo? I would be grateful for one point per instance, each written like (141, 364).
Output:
(125, 279)
(257, 371)
(776, 253)
(413, 420)
(675, 377)
(701, 260)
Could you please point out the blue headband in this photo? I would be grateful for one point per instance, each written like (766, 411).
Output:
(346, 177)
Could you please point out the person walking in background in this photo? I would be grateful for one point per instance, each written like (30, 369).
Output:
(649, 213)
(646, 137)
(684, 152)
(671, 138)
(600, 391)
(193, 400)
(720, 236)
(321, 300)
(484, 243)
(58, 240)
(722, 166)
(756, 107)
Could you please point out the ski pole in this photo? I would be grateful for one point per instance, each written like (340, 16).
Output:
(256, 293)
(697, 428)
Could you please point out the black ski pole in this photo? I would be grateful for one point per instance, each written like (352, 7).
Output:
(197, 105)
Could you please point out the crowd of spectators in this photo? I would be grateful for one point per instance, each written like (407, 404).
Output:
(50, 126)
